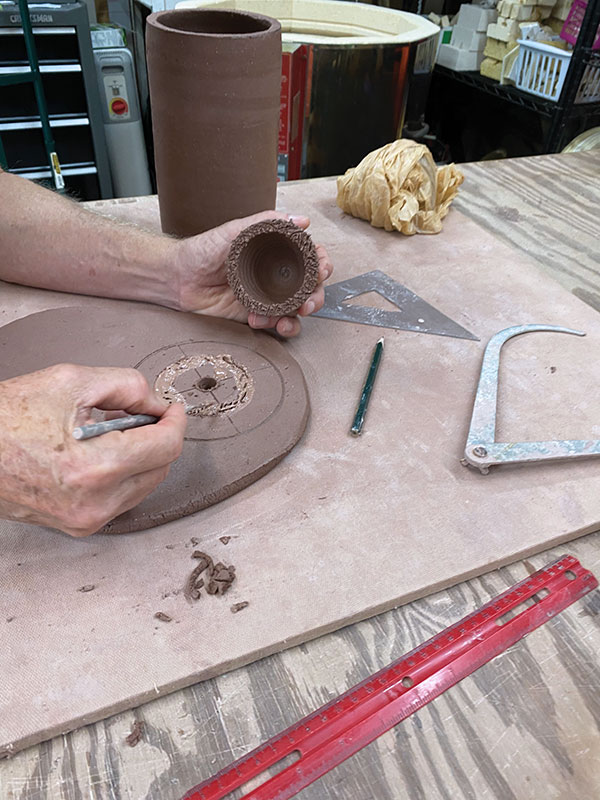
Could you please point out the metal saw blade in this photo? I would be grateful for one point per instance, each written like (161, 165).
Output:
(413, 314)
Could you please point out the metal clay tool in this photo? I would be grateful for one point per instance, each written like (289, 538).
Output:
(413, 313)
(365, 395)
(482, 450)
(333, 733)
(119, 424)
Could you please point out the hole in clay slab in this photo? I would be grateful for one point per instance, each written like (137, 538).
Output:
(206, 384)
(271, 268)
(213, 22)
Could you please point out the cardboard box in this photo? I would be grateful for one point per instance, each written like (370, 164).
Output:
(291, 111)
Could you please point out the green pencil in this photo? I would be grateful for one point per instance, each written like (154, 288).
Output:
(365, 396)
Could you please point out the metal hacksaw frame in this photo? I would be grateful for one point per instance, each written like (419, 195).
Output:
(482, 450)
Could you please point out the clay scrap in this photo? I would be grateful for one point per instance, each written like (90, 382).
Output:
(217, 580)
(136, 733)
(273, 267)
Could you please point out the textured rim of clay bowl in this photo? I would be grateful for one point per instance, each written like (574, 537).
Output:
(272, 237)
(218, 23)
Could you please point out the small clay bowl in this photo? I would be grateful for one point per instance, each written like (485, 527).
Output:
(273, 267)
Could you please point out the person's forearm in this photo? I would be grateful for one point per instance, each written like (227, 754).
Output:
(53, 243)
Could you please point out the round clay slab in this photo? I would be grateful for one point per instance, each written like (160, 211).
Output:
(246, 398)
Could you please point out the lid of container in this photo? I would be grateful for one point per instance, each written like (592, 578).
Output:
(332, 22)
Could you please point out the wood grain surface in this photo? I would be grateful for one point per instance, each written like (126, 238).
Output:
(525, 726)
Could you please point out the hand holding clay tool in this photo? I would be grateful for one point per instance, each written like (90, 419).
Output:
(365, 396)
(119, 424)
(273, 267)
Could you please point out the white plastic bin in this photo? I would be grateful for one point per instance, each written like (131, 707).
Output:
(542, 69)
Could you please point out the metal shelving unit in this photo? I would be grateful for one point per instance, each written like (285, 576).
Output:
(70, 117)
(565, 109)
(31, 74)
(583, 56)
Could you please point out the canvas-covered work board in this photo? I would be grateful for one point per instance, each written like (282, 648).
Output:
(344, 527)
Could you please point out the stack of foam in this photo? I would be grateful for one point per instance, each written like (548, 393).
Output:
(502, 34)
(560, 12)
(465, 51)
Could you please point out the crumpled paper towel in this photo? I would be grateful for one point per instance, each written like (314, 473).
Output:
(399, 187)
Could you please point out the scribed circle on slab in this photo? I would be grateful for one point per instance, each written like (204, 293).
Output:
(218, 384)
(222, 452)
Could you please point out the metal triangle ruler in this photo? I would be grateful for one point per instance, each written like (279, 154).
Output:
(339, 729)
(413, 313)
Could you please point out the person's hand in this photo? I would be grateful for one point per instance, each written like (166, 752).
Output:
(49, 478)
(203, 287)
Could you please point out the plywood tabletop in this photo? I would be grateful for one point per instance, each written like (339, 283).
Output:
(524, 726)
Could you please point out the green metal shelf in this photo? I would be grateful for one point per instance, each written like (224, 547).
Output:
(33, 75)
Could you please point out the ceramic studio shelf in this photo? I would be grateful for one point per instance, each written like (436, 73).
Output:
(513, 95)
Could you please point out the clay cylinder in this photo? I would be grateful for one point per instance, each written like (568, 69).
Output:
(215, 80)
(273, 267)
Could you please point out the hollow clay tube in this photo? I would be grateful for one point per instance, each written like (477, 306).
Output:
(273, 267)
(215, 83)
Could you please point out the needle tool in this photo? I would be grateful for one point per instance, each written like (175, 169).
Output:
(119, 424)
(365, 396)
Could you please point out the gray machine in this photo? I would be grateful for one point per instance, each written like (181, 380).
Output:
(122, 122)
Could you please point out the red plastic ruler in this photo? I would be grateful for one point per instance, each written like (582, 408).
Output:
(339, 729)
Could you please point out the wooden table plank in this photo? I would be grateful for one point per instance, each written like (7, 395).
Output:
(546, 206)
(525, 726)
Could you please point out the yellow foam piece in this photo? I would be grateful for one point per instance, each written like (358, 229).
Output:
(491, 68)
(496, 49)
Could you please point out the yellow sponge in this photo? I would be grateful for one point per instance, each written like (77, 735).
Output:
(496, 49)
(555, 24)
(491, 68)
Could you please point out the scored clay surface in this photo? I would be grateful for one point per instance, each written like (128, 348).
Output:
(246, 398)
(273, 267)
